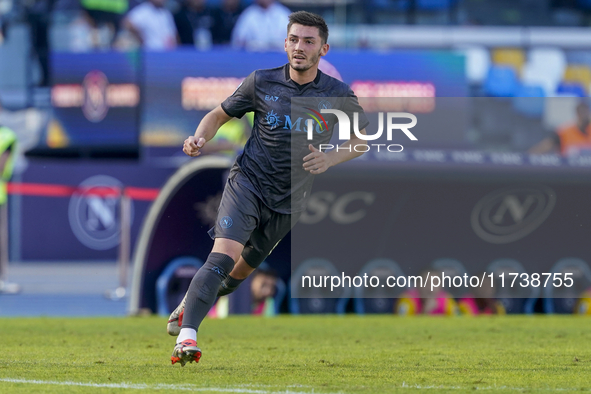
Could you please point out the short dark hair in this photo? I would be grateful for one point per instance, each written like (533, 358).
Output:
(306, 18)
(265, 269)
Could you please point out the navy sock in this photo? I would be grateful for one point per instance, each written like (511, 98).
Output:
(228, 286)
(204, 287)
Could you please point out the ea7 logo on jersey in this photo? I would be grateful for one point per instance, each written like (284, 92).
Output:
(271, 98)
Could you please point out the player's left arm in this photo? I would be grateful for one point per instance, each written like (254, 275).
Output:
(318, 162)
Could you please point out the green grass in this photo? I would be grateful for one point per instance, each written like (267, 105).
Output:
(373, 354)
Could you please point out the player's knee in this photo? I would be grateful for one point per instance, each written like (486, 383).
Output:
(228, 247)
(219, 263)
(214, 271)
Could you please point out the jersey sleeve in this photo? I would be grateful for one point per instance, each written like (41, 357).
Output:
(352, 105)
(243, 98)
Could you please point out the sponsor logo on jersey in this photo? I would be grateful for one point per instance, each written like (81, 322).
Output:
(272, 119)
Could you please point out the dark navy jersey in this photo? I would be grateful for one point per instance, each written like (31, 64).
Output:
(271, 164)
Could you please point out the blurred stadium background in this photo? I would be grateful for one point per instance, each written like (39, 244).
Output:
(106, 216)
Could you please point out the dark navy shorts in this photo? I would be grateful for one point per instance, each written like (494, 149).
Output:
(244, 218)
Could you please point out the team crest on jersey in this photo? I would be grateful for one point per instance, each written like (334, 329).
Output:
(226, 222)
(272, 119)
(324, 104)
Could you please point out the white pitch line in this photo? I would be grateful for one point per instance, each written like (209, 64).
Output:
(141, 386)
(420, 387)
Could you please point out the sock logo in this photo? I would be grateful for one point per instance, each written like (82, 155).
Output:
(226, 222)
(218, 271)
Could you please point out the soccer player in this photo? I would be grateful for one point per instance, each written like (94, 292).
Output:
(265, 193)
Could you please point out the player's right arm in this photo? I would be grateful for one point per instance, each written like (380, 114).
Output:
(206, 130)
(239, 103)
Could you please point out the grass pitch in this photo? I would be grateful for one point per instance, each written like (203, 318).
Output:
(350, 354)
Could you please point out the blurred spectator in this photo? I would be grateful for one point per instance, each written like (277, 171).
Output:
(7, 152)
(38, 13)
(152, 25)
(480, 306)
(255, 296)
(224, 20)
(104, 15)
(194, 22)
(220, 309)
(5, 8)
(583, 306)
(482, 301)
(426, 300)
(261, 27)
(231, 137)
(262, 290)
(571, 139)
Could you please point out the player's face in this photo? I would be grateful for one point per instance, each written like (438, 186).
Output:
(304, 47)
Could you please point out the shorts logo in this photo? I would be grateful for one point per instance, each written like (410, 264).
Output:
(226, 222)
